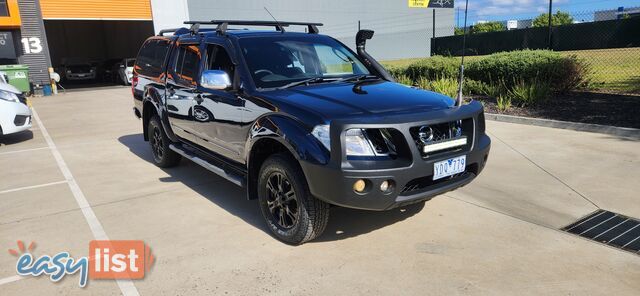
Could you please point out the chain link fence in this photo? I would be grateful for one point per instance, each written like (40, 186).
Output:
(609, 41)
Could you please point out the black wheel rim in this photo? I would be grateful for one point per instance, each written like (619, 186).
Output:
(157, 143)
(281, 201)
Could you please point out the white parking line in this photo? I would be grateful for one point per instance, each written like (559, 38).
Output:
(32, 187)
(126, 286)
(25, 150)
(10, 279)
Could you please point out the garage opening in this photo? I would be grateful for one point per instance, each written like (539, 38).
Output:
(90, 53)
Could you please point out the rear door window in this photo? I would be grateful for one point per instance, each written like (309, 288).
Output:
(152, 57)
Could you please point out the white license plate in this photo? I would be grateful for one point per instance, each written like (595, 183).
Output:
(449, 167)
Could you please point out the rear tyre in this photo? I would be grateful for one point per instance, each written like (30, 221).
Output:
(292, 214)
(163, 156)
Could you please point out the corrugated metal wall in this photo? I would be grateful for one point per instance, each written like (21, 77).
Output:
(97, 9)
(36, 56)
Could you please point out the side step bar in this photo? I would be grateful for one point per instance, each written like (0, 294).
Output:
(235, 179)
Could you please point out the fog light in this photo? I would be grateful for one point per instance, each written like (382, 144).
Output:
(359, 186)
(384, 186)
(387, 186)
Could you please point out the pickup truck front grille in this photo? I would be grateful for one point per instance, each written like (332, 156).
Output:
(436, 139)
(425, 183)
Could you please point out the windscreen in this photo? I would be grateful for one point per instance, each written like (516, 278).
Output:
(275, 61)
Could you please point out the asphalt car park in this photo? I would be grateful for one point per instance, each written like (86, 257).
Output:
(83, 172)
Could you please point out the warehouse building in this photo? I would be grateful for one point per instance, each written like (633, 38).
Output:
(49, 35)
(401, 31)
(44, 34)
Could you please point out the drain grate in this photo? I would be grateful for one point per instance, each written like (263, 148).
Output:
(609, 228)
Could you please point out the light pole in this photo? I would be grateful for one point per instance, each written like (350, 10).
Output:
(550, 21)
(433, 17)
(459, 99)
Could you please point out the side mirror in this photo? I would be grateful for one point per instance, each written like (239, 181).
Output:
(215, 79)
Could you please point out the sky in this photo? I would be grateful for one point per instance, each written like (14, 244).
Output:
(524, 9)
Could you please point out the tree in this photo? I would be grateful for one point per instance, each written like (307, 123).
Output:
(487, 27)
(558, 19)
(458, 31)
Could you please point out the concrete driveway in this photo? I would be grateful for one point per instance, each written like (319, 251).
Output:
(84, 172)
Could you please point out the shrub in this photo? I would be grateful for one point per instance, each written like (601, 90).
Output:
(503, 102)
(445, 86)
(424, 83)
(529, 93)
(433, 68)
(474, 87)
(577, 73)
(403, 79)
(397, 72)
(562, 73)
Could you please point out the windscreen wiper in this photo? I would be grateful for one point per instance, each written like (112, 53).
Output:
(305, 82)
(358, 78)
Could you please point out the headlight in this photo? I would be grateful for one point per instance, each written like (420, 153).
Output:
(321, 132)
(8, 96)
(358, 144)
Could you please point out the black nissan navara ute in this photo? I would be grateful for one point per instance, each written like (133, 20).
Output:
(301, 121)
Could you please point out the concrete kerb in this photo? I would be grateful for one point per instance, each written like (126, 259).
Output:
(625, 132)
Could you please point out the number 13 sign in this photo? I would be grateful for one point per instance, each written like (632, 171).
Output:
(31, 45)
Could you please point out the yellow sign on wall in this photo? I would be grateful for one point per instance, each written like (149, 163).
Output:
(419, 3)
(431, 3)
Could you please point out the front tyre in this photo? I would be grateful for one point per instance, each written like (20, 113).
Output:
(292, 214)
(163, 156)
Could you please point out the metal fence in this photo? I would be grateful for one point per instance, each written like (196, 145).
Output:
(609, 41)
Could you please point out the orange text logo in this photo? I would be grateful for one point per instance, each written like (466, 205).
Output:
(126, 259)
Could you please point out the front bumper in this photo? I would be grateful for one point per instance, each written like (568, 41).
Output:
(412, 178)
(81, 76)
(15, 118)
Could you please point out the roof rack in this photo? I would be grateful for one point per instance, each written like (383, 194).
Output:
(223, 24)
(175, 31)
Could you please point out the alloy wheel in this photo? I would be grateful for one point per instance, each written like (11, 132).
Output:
(157, 143)
(281, 201)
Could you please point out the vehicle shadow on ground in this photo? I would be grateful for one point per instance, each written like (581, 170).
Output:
(16, 138)
(343, 223)
(346, 223)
